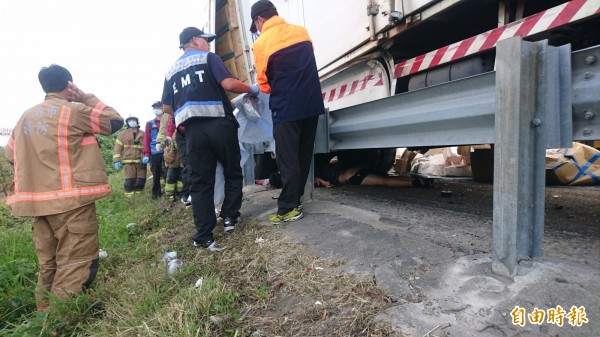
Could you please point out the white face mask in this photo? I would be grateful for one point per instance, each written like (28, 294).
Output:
(132, 123)
(157, 112)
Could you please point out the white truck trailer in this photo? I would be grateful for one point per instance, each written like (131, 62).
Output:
(523, 75)
(372, 49)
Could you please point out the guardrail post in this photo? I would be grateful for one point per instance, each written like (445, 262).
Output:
(523, 112)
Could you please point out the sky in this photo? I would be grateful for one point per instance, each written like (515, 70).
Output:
(116, 49)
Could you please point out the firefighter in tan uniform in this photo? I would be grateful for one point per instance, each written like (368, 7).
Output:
(172, 159)
(129, 152)
(59, 173)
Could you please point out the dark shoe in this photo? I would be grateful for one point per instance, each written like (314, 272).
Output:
(229, 223)
(418, 181)
(210, 245)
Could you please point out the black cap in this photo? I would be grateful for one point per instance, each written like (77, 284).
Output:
(258, 8)
(54, 78)
(188, 33)
(157, 103)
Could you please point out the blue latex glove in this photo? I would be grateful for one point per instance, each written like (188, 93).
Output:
(255, 91)
(117, 165)
(145, 160)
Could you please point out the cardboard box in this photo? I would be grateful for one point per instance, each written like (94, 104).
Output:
(226, 17)
(236, 40)
(574, 166)
(240, 64)
(224, 46)
(230, 65)
(403, 164)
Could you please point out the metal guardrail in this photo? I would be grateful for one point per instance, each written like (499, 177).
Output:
(586, 90)
(539, 97)
(462, 112)
(455, 113)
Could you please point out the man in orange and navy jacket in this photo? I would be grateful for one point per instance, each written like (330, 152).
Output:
(286, 69)
(60, 189)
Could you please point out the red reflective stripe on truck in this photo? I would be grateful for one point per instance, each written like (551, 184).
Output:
(418, 62)
(331, 95)
(438, 56)
(493, 37)
(552, 18)
(567, 14)
(342, 91)
(367, 79)
(528, 25)
(353, 87)
(463, 47)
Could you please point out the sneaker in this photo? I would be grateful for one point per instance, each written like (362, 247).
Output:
(187, 202)
(291, 216)
(229, 223)
(300, 207)
(210, 245)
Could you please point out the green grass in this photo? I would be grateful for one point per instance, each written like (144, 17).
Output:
(132, 290)
(243, 289)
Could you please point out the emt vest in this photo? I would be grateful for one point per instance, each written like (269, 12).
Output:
(194, 92)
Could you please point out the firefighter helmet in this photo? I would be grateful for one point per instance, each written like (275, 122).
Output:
(132, 118)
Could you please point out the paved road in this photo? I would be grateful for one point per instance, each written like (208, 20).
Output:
(433, 254)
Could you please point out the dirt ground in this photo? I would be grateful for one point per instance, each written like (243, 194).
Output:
(432, 255)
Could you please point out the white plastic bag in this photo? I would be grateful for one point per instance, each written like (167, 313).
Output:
(250, 104)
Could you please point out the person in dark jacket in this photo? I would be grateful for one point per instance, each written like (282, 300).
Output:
(286, 69)
(153, 153)
(194, 92)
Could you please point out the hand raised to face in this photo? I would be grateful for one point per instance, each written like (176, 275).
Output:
(74, 94)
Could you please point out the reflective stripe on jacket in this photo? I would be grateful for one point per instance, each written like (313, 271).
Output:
(192, 90)
(129, 146)
(57, 161)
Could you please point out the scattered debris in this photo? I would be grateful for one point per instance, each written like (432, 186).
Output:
(216, 320)
(199, 282)
(102, 254)
(318, 303)
(446, 193)
(439, 326)
(259, 240)
(131, 224)
(169, 256)
(173, 265)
